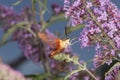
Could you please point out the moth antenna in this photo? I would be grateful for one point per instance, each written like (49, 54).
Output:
(75, 42)
(72, 41)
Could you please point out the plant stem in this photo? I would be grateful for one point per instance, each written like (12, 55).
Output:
(85, 68)
(44, 58)
(41, 15)
(34, 11)
(45, 63)
(90, 73)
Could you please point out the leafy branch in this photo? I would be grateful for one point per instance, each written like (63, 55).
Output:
(10, 31)
(75, 60)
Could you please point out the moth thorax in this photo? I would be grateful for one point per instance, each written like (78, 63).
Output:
(65, 43)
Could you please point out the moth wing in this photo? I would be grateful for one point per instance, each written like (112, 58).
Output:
(49, 39)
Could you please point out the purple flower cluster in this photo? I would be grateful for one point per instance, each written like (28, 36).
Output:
(8, 17)
(31, 46)
(74, 10)
(102, 28)
(6, 73)
(56, 8)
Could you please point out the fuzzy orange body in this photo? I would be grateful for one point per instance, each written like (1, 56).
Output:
(55, 43)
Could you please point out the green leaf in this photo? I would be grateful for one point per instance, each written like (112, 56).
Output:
(17, 3)
(33, 1)
(57, 18)
(75, 59)
(54, 19)
(60, 56)
(67, 58)
(6, 35)
(45, 2)
(71, 29)
(10, 32)
(59, 78)
(41, 76)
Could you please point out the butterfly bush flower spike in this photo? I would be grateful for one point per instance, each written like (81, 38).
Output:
(101, 19)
